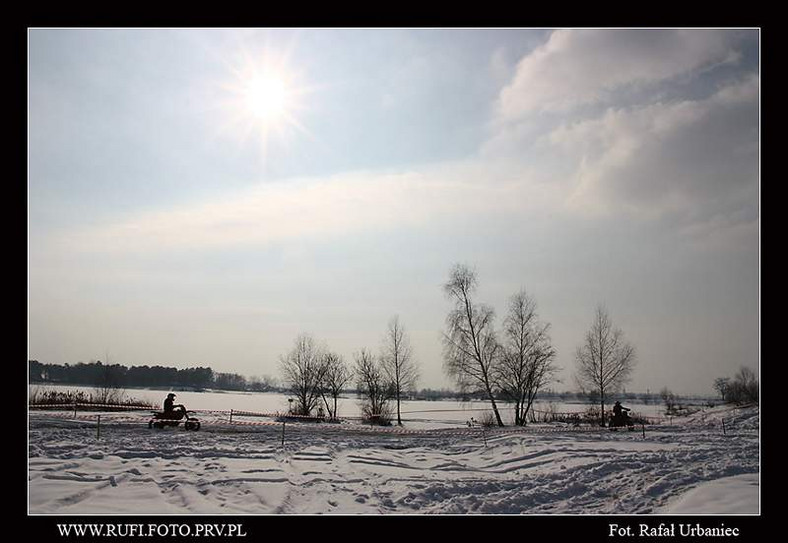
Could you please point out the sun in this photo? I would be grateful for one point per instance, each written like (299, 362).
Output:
(266, 97)
(263, 100)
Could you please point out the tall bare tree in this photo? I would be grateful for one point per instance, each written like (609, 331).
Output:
(527, 360)
(471, 349)
(303, 369)
(605, 360)
(374, 386)
(397, 361)
(335, 377)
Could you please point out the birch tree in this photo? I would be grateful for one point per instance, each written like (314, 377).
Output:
(375, 389)
(397, 360)
(527, 360)
(605, 360)
(335, 377)
(303, 369)
(471, 348)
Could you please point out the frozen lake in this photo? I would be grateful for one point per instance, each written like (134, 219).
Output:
(419, 412)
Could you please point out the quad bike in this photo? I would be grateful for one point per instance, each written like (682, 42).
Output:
(162, 419)
(622, 420)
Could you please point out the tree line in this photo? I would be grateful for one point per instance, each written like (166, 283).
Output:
(513, 364)
(315, 376)
(742, 389)
(115, 376)
(517, 362)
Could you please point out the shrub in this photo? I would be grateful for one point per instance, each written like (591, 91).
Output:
(67, 398)
(383, 417)
(487, 419)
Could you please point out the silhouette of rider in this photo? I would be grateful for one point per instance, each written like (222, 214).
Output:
(620, 412)
(171, 410)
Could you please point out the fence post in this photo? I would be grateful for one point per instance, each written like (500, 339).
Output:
(231, 415)
(723, 427)
(283, 433)
(75, 409)
(644, 430)
(98, 426)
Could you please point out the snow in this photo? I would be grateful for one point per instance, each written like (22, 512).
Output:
(420, 414)
(243, 467)
(729, 495)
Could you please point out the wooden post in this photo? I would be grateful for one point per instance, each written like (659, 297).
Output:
(644, 430)
(723, 427)
(75, 409)
(231, 415)
(283, 433)
(98, 426)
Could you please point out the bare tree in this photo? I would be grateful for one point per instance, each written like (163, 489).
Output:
(471, 348)
(722, 386)
(108, 386)
(397, 362)
(744, 387)
(670, 400)
(527, 360)
(335, 377)
(605, 360)
(375, 388)
(302, 369)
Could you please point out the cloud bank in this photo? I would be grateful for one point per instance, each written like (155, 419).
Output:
(577, 67)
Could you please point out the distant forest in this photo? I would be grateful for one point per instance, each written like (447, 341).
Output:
(106, 376)
(98, 374)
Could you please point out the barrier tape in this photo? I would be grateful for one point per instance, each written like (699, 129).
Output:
(66, 416)
(363, 429)
(73, 406)
(293, 416)
(474, 431)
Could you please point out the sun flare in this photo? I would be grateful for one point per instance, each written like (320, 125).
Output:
(263, 101)
(266, 97)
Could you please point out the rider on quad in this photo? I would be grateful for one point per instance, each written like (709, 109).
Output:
(620, 415)
(172, 411)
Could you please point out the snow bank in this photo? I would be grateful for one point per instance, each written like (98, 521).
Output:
(726, 496)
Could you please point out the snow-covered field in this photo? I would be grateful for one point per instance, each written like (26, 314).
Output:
(418, 414)
(687, 466)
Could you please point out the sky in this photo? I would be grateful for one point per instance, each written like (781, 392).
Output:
(200, 197)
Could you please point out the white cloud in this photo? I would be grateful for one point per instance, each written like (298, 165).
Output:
(695, 158)
(313, 208)
(576, 67)
(658, 124)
